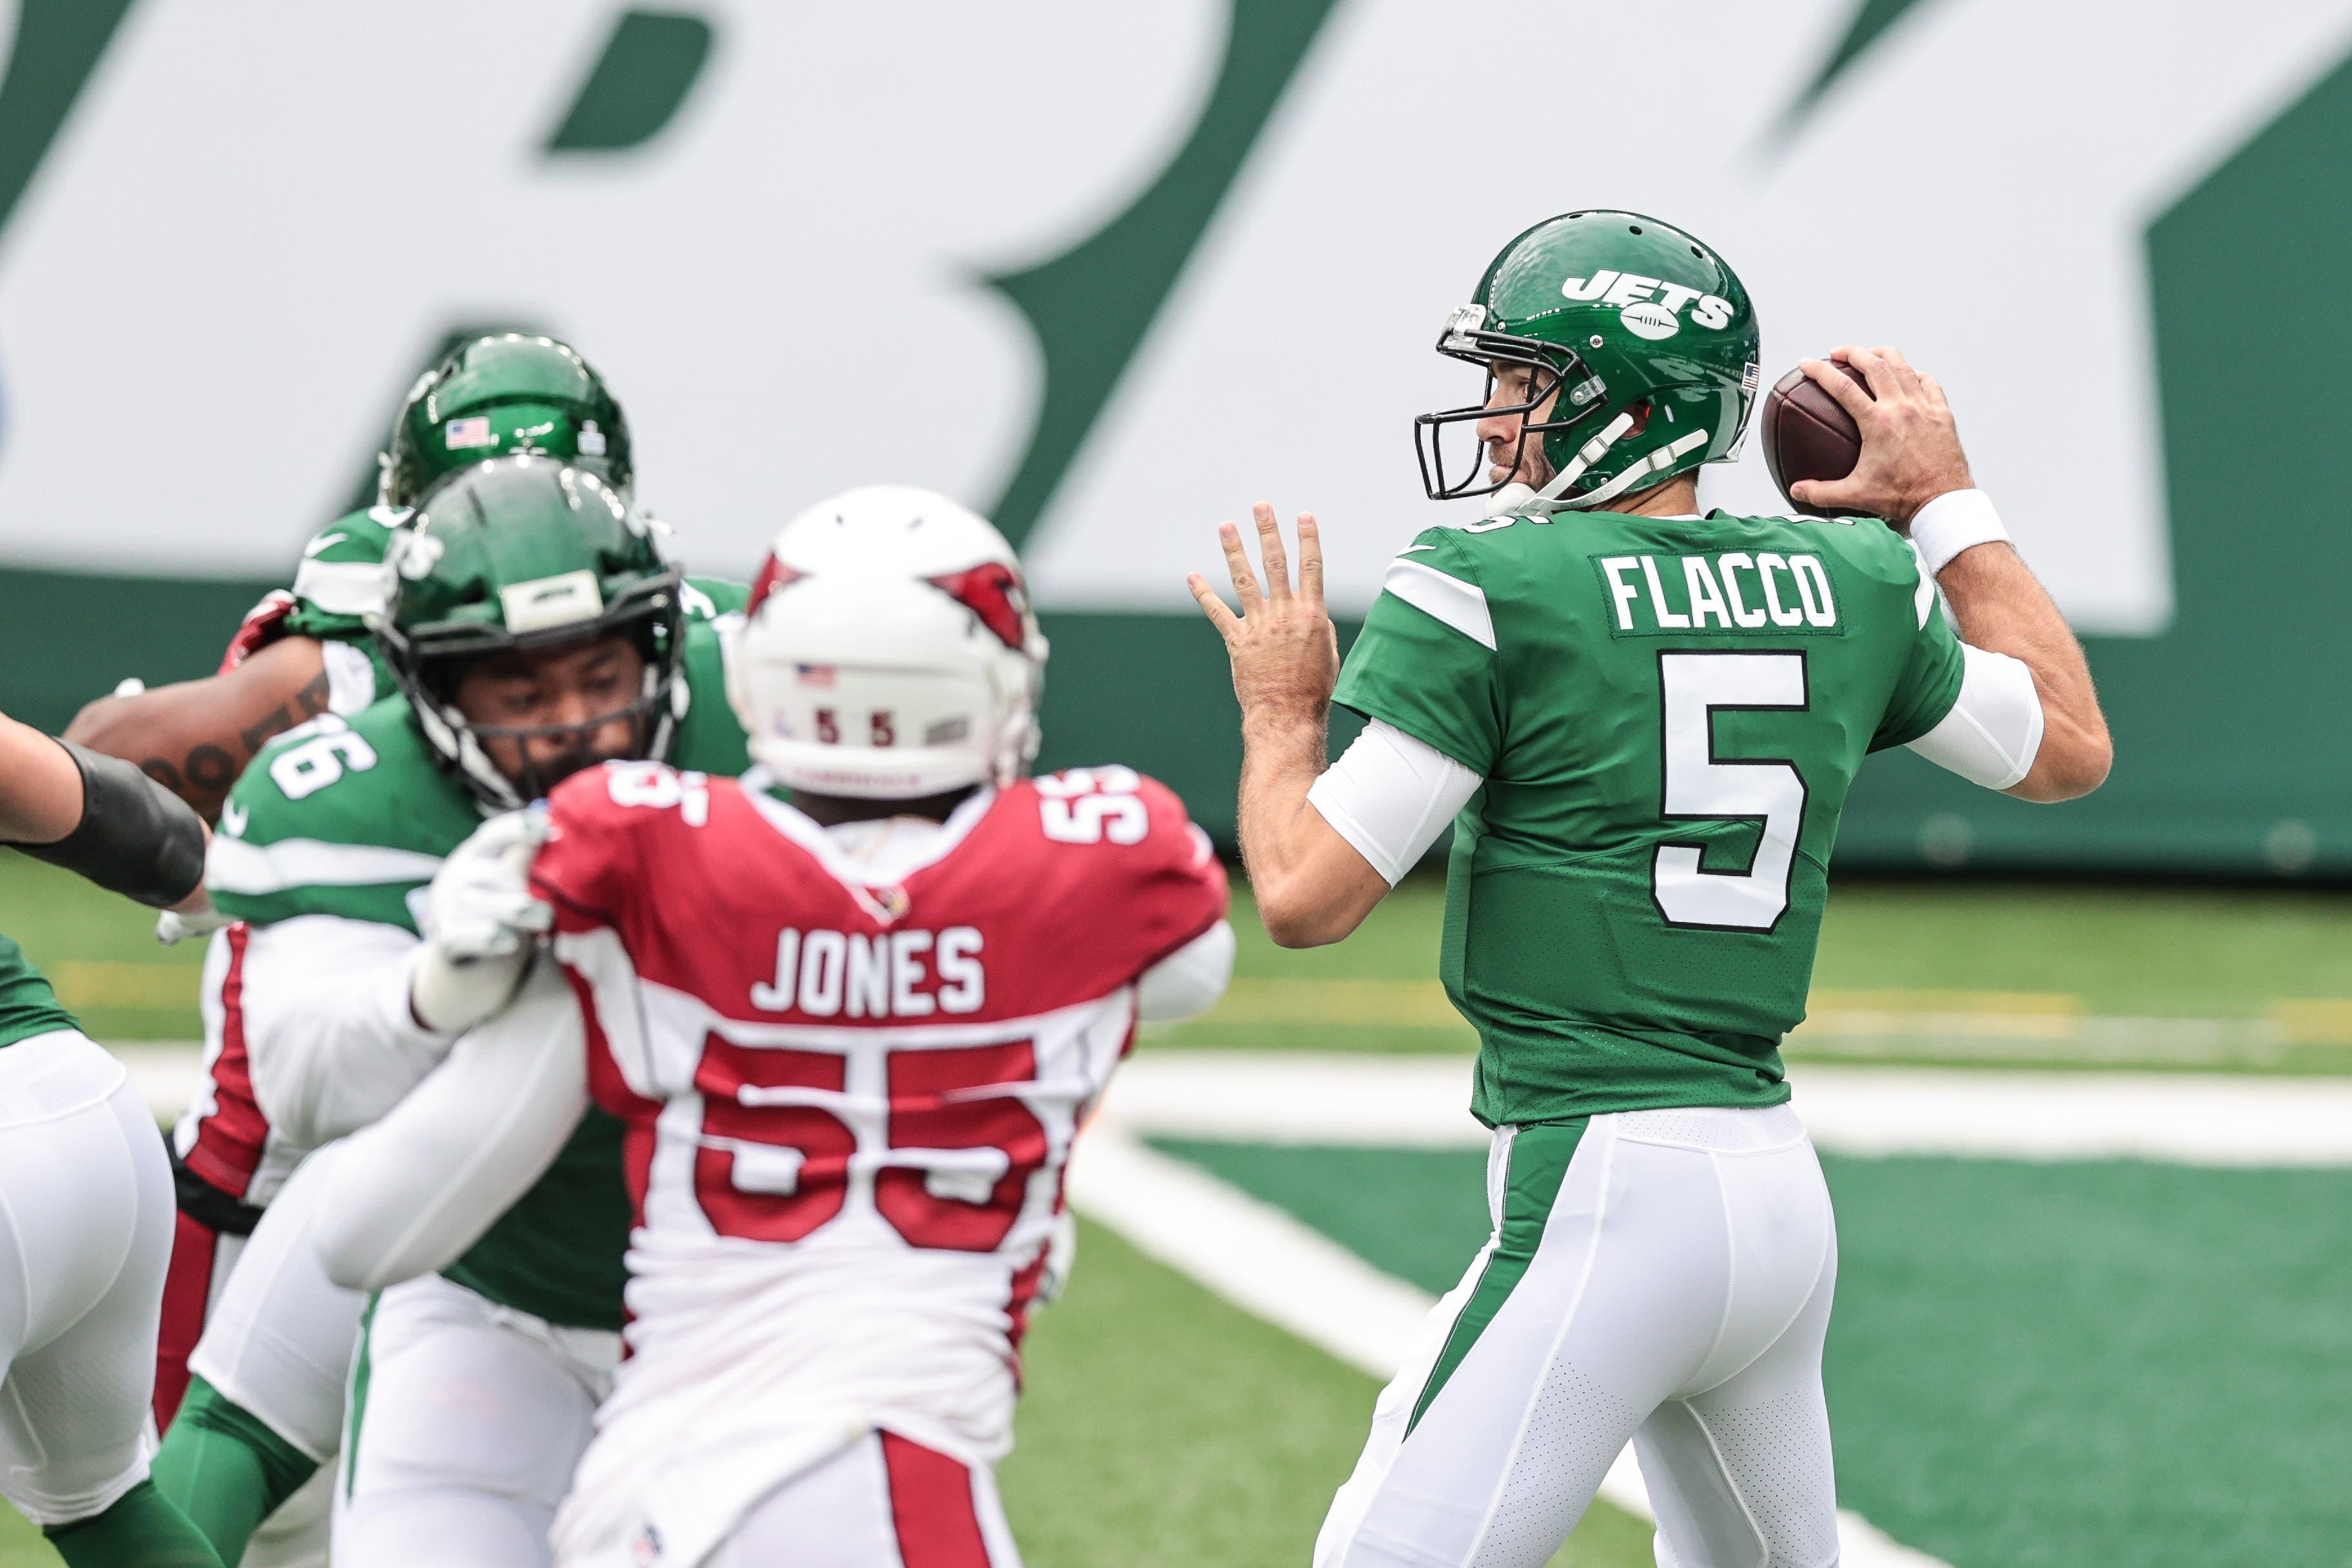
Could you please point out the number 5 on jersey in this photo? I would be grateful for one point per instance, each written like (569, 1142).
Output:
(1699, 785)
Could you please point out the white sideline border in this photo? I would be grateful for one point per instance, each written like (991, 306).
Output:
(1417, 1101)
(1277, 1268)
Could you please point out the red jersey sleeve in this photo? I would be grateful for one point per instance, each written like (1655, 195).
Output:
(1178, 884)
(1137, 880)
(589, 869)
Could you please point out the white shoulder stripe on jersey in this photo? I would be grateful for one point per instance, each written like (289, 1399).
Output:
(340, 587)
(1462, 605)
(1925, 596)
(351, 676)
(253, 870)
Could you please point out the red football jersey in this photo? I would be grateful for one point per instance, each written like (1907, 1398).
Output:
(850, 1079)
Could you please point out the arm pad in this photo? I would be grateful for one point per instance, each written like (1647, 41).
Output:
(135, 837)
(1190, 980)
(1994, 730)
(1390, 796)
(409, 1195)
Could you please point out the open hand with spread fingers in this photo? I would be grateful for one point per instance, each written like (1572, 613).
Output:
(1910, 447)
(1285, 650)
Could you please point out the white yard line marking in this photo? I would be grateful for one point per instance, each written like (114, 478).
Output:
(1423, 1103)
(1275, 1267)
(1247, 1251)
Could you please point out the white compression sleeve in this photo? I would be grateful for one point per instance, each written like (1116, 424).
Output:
(1390, 796)
(1994, 729)
(413, 1192)
(1190, 980)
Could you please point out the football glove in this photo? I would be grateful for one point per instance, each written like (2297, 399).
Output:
(481, 924)
(263, 625)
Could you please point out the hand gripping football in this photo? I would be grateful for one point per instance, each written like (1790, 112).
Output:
(1807, 436)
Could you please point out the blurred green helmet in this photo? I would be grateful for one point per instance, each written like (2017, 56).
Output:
(1645, 335)
(515, 555)
(500, 395)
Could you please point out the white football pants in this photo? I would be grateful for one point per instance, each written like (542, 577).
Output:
(881, 1502)
(1663, 1276)
(467, 1421)
(86, 1219)
(279, 1339)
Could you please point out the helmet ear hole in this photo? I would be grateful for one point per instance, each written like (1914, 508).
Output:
(1641, 412)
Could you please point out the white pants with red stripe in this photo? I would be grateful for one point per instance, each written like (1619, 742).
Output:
(86, 1211)
(882, 1502)
(1658, 1276)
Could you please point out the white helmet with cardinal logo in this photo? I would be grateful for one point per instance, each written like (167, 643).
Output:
(888, 651)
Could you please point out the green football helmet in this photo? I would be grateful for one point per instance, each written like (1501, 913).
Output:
(500, 395)
(1643, 335)
(516, 555)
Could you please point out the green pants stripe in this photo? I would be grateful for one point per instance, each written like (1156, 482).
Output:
(1535, 1167)
(359, 1396)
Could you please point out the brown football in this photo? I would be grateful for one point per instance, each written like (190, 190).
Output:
(1807, 436)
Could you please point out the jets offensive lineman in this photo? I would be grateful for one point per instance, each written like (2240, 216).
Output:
(533, 628)
(1642, 722)
(261, 1354)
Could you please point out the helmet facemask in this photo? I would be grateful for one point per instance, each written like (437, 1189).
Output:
(1554, 372)
(429, 670)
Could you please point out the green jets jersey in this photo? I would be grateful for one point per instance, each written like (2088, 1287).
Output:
(341, 583)
(353, 819)
(28, 1005)
(1667, 713)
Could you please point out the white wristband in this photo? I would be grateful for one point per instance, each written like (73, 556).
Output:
(1954, 522)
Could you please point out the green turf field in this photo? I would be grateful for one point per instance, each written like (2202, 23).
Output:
(2056, 976)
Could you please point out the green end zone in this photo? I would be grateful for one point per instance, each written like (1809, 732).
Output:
(2031, 1366)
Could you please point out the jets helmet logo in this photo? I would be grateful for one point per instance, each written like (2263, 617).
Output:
(1643, 315)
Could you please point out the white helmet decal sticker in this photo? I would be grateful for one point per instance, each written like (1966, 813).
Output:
(1654, 322)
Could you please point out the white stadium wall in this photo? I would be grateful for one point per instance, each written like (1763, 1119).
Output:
(1116, 272)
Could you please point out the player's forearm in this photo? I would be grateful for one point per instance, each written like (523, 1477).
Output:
(195, 737)
(1999, 604)
(1312, 888)
(410, 1194)
(40, 788)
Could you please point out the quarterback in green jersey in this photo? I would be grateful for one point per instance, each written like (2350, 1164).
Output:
(1642, 722)
(307, 650)
(533, 628)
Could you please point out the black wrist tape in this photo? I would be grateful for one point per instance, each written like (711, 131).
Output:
(135, 837)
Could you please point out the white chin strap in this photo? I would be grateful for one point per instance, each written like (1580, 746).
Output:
(1518, 500)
